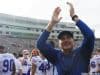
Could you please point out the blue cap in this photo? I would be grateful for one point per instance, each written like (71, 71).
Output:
(63, 33)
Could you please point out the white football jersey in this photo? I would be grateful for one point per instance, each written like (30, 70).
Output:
(26, 65)
(18, 66)
(94, 63)
(43, 67)
(6, 63)
(52, 70)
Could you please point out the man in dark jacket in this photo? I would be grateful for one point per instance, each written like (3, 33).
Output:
(68, 61)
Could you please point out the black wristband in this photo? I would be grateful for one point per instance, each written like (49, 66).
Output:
(75, 16)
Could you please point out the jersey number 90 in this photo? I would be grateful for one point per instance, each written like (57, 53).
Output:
(8, 65)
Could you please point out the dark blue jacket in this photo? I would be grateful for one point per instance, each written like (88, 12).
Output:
(72, 64)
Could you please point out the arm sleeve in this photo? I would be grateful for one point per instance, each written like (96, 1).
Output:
(47, 50)
(88, 42)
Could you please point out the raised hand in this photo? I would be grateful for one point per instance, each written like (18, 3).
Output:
(55, 17)
(72, 12)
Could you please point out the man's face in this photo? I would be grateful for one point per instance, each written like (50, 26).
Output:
(66, 43)
(35, 52)
(26, 54)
